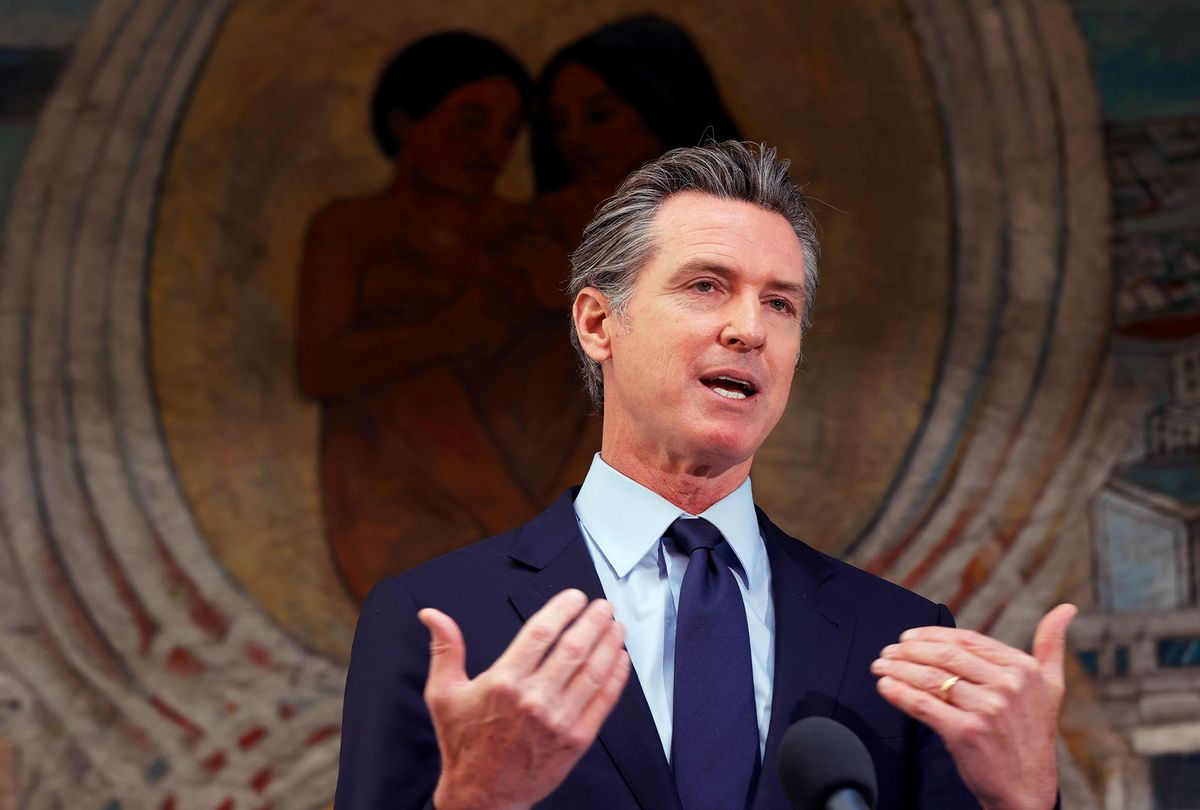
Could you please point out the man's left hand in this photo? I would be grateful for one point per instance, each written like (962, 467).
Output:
(999, 719)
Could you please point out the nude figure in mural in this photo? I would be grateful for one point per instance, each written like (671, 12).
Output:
(609, 102)
(401, 301)
(604, 105)
(431, 314)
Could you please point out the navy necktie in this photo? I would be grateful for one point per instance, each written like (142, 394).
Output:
(714, 737)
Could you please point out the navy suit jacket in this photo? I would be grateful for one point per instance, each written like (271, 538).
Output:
(831, 621)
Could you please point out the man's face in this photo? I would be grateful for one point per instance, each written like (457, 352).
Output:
(701, 364)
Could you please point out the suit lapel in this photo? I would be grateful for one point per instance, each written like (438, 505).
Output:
(812, 642)
(553, 547)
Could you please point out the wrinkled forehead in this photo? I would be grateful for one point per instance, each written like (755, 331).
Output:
(696, 227)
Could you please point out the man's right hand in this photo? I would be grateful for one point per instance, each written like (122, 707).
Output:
(510, 736)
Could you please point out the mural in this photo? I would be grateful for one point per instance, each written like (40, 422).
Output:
(281, 312)
(1140, 646)
(301, 455)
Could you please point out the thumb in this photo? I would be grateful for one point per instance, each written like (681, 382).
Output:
(1050, 640)
(447, 651)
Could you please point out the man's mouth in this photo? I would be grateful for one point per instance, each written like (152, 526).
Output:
(731, 387)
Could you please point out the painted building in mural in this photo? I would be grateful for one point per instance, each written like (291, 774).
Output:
(1000, 405)
(1141, 645)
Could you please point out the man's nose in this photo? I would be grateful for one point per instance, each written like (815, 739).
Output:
(744, 330)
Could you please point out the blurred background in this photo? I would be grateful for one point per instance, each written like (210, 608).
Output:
(280, 281)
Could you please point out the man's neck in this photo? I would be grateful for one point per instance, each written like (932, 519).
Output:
(693, 488)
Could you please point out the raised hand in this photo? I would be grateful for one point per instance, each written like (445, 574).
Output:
(994, 706)
(510, 736)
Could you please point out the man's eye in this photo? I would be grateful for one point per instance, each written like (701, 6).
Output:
(703, 286)
(781, 305)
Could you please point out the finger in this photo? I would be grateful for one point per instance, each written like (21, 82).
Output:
(919, 676)
(591, 677)
(934, 712)
(1050, 640)
(963, 693)
(984, 646)
(447, 651)
(538, 634)
(952, 658)
(574, 648)
(601, 705)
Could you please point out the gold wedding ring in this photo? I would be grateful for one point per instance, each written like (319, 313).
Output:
(948, 684)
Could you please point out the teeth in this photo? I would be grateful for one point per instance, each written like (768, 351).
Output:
(728, 394)
(742, 387)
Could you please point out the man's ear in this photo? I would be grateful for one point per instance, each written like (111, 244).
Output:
(593, 323)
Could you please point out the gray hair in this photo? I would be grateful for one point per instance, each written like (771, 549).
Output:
(619, 240)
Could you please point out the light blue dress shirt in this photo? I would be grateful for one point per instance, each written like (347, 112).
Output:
(623, 523)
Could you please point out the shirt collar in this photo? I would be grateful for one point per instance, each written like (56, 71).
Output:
(626, 520)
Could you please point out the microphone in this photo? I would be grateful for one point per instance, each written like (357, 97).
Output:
(824, 766)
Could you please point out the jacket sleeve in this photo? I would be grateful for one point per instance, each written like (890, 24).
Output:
(389, 756)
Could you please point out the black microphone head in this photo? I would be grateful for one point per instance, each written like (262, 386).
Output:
(820, 756)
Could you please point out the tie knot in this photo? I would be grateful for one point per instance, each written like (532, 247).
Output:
(689, 534)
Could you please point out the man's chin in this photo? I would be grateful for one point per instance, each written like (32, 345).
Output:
(724, 450)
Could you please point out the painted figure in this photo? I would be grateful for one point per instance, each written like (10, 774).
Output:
(432, 313)
(611, 101)
(401, 306)
(604, 105)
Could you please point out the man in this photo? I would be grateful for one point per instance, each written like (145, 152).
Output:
(691, 290)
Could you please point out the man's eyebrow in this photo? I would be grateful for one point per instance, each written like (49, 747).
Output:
(700, 265)
(789, 287)
(725, 272)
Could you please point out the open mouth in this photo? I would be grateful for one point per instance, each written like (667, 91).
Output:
(731, 387)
